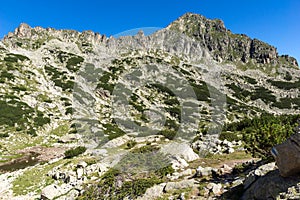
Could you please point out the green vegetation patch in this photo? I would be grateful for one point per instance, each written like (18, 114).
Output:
(60, 78)
(264, 94)
(113, 131)
(72, 61)
(285, 85)
(260, 134)
(287, 103)
(250, 80)
(75, 152)
(34, 179)
(239, 92)
(14, 58)
(153, 168)
(201, 91)
(108, 189)
(19, 115)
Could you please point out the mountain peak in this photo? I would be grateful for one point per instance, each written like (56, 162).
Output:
(196, 20)
(225, 45)
(24, 30)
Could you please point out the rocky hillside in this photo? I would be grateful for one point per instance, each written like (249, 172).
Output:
(118, 97)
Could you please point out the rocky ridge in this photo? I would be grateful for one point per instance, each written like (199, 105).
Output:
(56, 79)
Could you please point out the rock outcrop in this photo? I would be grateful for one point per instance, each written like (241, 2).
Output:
(287, 156)
(224, 45)
(273, 186)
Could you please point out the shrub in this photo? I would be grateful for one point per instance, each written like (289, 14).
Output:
(164, 171)
(75, 152)
(108, 189)
(260, 134)
(146, 149)
(230, 136)
(168, 133)
(113, 131)
(250, 80)
(69, 110)
(73, 63)
(4, 135)
(263, 94)
(131, 144)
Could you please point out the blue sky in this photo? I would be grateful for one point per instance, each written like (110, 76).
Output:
(276, 22)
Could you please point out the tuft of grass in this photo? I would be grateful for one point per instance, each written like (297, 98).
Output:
(75, 152)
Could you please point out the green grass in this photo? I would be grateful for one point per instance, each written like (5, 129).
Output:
(106, 188)
(34, 179)
(201, 91)
(217, 160)
(61, 130)
(168, 133)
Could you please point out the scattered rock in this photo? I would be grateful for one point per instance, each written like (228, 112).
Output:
(170, 186)
(70, 138)
(178, 163)
(210, 144)
(260, 171)
(153, 192)
(182, 150)
(80, 173)
(117, 142)
(225, 169)
(53, 191)
(206, 171)
(216, 189)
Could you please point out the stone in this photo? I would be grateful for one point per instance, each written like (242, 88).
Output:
(216, 189)
(287, 156)
(187, 172)
(181, 196)
(260, 171)
(117, 142)
(230, 150)
(206, 171)
(182, 150)
(153, 192)
(97, 152)
(171, 186)
(271, 186)
(73, 194)
(82, 164)
(53, 191)
(70, 138)
(178, 163)
(225, 169)
(80, 173)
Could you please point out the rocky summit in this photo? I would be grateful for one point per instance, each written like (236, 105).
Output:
(188, 112)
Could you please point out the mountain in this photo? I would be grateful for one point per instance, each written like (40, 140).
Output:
(60, 89)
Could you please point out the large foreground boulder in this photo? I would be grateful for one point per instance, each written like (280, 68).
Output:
(273, 186)
(287, 156)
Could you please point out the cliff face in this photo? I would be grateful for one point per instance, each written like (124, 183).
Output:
(225, 45)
